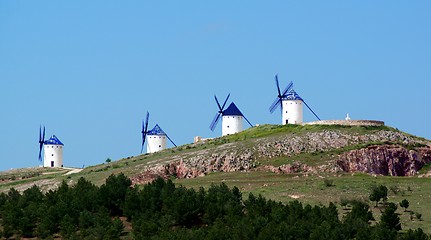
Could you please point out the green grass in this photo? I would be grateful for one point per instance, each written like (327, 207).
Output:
(311, 159)
(246, 139)
(310, 189)
(319, 157)
(4, 187)
(426, 168)
(313, 190)
(274, 130)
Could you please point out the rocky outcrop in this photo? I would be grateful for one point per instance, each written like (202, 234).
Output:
(392, 160)
(296, 167)
(197, 166)
(323, 141)
(149, 174)
(389, 159)
(347, 122)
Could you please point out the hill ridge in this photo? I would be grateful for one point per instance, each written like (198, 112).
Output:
(308, 149)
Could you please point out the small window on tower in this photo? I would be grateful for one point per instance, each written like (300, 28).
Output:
(160, 146)
(52, 155)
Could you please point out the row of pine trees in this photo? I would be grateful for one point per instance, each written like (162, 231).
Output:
(161, 210)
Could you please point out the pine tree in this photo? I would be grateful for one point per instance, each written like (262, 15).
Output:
(404, 204)
(390, 218)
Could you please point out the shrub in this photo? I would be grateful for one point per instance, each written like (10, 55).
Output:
(404, 204)
(344, 202)
(394, 189)
(379, 193)
(418, 216)
(389, 218)
(328, 182)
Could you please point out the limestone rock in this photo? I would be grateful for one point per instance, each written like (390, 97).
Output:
(392, 160)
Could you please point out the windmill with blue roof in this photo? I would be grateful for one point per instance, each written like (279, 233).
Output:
(290, 103)
(232, 118)
(156, 137)
(52, 150)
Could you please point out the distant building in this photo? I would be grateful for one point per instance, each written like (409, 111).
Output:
(53, 152)
(231, 120)
(292, 105)
(156, 139)
(200, 139)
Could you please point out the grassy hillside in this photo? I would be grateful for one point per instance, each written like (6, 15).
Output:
(314, 190)
(320, 188)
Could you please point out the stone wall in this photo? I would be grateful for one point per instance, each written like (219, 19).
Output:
(347, 122)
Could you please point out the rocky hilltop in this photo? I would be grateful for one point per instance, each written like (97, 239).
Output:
(301, 150)
(315, 164)
(316, 150)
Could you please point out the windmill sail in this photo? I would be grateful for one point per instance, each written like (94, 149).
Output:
(219, 113)
(310, 109)
(280, 96)
(144, 130)
(41, 141)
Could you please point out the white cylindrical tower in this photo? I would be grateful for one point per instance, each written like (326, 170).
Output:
(231, 124)
(156, 140)
(292, 106)
(231, 120)
(53, 152)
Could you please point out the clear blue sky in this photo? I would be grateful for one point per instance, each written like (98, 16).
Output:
(89, 70)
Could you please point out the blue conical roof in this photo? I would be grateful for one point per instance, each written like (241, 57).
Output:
(232, 110)
(157, 130)
(53, 141)
(292, 95)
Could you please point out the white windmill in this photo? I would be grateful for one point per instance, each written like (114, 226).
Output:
(52, 150)
(291, 105)
(232, 118)
(156, 137)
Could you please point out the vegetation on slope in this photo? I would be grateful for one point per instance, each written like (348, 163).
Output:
(314, 190)
(161, 210)
(245, 140)
(307, 187)
(276, 130)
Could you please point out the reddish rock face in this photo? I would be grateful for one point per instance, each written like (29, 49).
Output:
(392, 160)
(197, 167)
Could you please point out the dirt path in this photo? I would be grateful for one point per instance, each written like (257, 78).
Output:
(73, 170)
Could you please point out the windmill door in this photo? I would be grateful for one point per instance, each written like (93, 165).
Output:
(52, 163)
